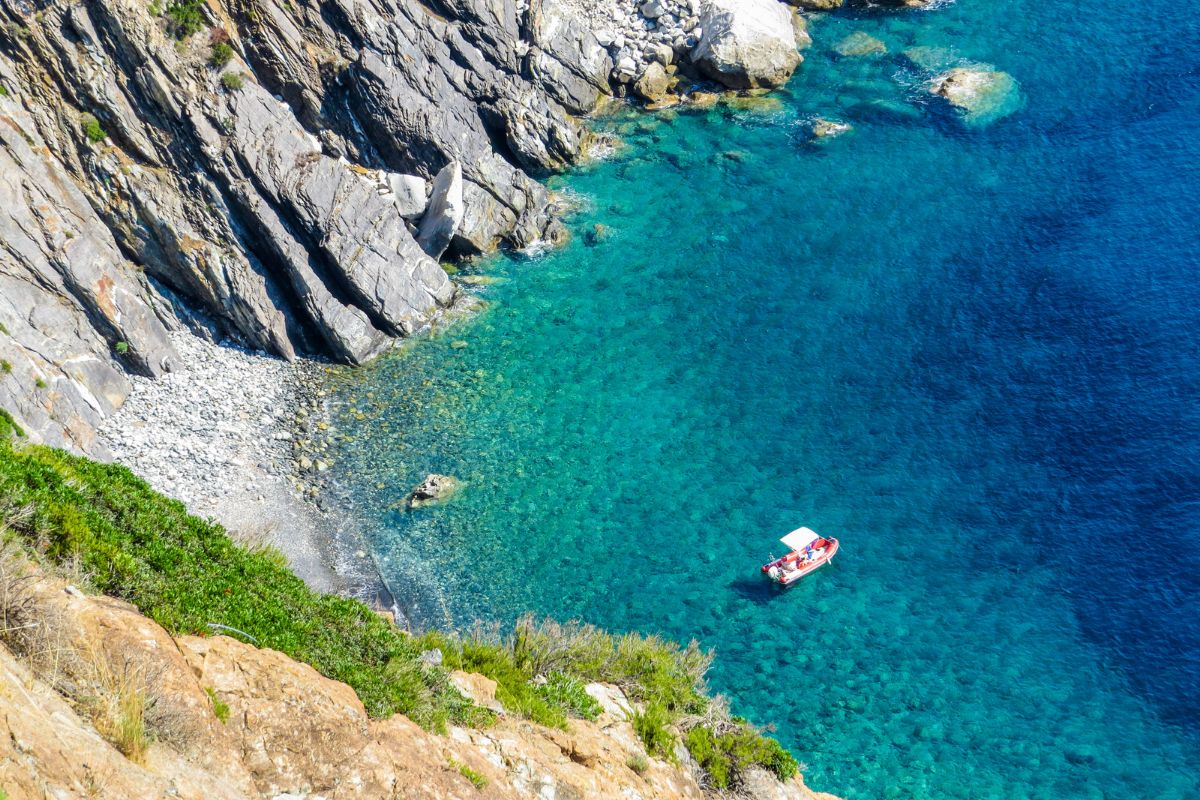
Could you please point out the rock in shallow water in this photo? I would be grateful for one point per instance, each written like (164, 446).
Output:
(435, 489)
(981, 96)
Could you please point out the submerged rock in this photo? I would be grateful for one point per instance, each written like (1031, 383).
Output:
(434, 490)
(747, 43)
(981, 96)
(859, 44)
(826, 129)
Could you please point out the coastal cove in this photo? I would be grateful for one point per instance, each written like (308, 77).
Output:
(967, 352)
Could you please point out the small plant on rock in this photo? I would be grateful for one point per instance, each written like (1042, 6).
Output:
(121, 347)
(5, 366)
(478, 780)
(219, 708)
(92, 129)
(221, 55)
(232, 82)
(639, 764)
(41, 384)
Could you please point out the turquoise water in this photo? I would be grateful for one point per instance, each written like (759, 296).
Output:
(967, 352)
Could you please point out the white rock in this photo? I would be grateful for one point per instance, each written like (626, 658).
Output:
(746, 43)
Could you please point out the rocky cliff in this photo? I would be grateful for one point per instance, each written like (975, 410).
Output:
(96, 700)
(288, 174)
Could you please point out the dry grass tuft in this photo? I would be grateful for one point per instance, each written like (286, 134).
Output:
(119, 710)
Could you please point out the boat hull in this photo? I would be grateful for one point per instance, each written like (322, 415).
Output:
(778, 570)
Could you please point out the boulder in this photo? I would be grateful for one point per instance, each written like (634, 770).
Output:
(747, 43)
(434, 490)
(823, 128)
(479, 688)
(652, 86)
(652, 9)
(980, 95)
(411, 200)
(445, 213)
(859, 44)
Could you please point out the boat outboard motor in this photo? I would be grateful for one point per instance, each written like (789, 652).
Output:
(774, 572)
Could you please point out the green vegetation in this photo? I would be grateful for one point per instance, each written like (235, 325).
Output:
(5, 366)
(232, 82)
(638, 763)
(3, 329)
(185, 18)
(8, 426)
(41, 384)
(186, 573)
(3, 91)
(724, 755)
(121, 347)
(92, 130)
(477, 779)
(219, 708)
(221, 55)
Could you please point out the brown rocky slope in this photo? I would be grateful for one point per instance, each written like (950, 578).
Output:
(229, 720)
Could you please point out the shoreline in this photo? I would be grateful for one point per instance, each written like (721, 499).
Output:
(227, 434)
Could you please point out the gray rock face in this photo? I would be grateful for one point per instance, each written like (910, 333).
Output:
(747, 43)
(410, 196)
(359, 231)
(567, 58)
(445, 213)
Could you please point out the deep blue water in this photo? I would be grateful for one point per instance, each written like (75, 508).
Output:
(968, 352)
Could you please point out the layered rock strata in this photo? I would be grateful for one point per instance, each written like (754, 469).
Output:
(288, 174)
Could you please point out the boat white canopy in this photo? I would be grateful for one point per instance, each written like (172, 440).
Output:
(800, 538)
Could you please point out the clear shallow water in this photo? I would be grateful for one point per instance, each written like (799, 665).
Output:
(968, 353)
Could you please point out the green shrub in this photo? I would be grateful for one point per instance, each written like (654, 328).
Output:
(724, 756)
(41, 384)
(221, 55)
(567, 692)
(5, 366)
(121, 347)
(477, 779)
(651, 727)
(92, 129)
(3, 91)
(184, 573)
(219, 708)
(8, 426)
(232, 82)
(638, 763)
(185, 18)
(3, 329)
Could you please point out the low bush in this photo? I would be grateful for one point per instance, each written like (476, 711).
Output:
(5, 366)
(232, 82)
(724, 755)
(184, 18)
(638, 763)
(8, 426)
(92, 130)
(186, 573)
(221, 55)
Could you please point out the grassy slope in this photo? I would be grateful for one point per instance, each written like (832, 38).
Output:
(185, 573)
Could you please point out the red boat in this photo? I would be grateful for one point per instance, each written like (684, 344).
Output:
(809, 552)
